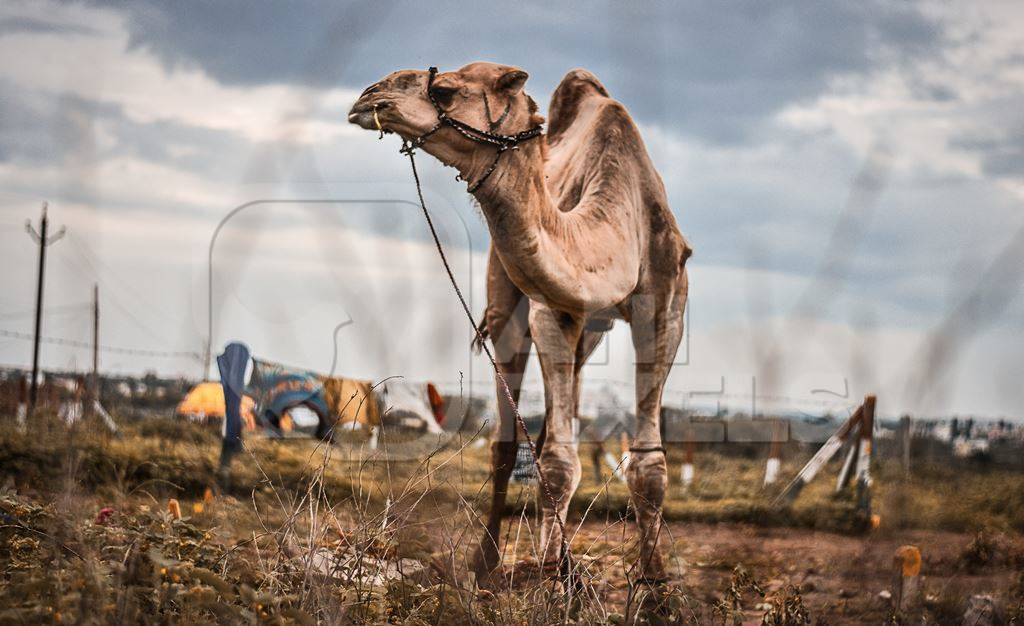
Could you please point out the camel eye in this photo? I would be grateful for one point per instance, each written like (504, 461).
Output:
(443, 95)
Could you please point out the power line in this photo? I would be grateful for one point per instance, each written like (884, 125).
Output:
(111, 297)
(86, 344)
(51, 310)
(96, 263)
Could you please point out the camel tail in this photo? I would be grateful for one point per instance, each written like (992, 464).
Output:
(480, 336)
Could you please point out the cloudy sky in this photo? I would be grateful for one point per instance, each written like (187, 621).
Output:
(850, 175)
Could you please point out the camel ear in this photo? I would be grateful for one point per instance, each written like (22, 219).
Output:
(444, 89)
(447, 81)
(512, 81)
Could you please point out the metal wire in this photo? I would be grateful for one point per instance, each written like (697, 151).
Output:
(60, 341)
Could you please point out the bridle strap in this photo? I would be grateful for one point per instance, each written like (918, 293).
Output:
(489, 137)
(495, 124)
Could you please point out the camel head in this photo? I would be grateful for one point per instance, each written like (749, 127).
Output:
(485, 96)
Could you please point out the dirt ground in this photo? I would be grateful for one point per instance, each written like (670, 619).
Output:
(842, 579)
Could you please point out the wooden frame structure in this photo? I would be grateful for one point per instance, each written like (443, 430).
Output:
(857, 434)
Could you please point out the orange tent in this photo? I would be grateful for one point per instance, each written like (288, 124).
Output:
(352, 401)
(206, 401)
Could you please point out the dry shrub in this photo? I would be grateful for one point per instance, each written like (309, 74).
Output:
(785, 608)
(987, 550)
(310, 539)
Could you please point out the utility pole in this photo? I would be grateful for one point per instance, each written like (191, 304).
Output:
(40, 238)
(753, 397)
(95, 342)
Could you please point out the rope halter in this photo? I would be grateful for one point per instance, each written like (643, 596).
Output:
(476, 135)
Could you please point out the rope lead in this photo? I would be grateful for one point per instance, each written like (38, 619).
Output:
(408, 148)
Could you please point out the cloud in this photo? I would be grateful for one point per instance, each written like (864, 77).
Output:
(145, 123)
(713, 73)
(21, 24)
(1001, 153)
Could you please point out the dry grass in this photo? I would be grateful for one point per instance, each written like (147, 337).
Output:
(310, 533)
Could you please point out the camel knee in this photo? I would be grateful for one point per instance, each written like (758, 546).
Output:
(510, 337)
(647, 476)
(561, 469)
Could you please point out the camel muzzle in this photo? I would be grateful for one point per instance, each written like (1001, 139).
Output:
(366, 114)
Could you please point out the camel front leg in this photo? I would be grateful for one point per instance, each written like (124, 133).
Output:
(556, 336)
(507, 322)
(656, 329)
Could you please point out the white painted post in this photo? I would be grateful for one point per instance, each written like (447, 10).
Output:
(771, 468)
(618, 468)
(686, 475)
(22, 413)
(109, 421)
(686, 472)
(847, 470)
(771, 471)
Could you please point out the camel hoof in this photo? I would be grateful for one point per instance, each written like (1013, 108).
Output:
(488, 570)
(651, 598)
(485, 595)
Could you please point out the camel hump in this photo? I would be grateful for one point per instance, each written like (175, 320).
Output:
(576, 87)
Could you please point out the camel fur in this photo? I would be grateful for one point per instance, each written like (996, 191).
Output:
(581, 235)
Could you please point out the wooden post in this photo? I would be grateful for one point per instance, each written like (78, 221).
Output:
(905, 441)
(847, 471)
(867, 426)
(95, 386)
(33, 393)
(596, 452)
(43, 239)
(820, 458)
(906, 588)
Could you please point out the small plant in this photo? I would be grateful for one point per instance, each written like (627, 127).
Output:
(730, 606)
(980, 553)
(1015, 602)
(786, 608)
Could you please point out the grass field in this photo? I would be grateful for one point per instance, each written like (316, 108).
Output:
(307, 533)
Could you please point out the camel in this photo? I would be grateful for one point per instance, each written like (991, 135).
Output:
(581, 236)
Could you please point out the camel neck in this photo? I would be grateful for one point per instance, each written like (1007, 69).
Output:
(514, 198)
(526, 226)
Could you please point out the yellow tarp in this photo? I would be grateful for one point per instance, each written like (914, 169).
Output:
(207, 400)
(351, 400)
